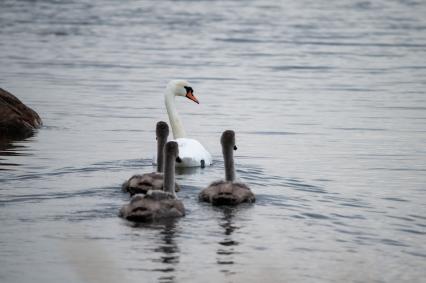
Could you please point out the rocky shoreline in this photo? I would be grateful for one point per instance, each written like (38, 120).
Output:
(16, 119)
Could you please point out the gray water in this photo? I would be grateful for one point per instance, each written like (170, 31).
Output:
(328, 102)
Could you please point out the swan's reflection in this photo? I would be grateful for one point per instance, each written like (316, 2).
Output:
(227, 246)
(188, 170)
(167, 249)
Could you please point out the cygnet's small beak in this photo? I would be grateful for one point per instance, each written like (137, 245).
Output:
(191, 96)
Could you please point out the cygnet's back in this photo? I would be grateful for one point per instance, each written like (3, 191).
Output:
(142, 183)
(227, 192)
(156, 204)
(152, 206)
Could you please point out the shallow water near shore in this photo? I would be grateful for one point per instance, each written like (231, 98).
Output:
(328, 103)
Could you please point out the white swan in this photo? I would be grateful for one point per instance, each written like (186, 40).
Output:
(191, 152)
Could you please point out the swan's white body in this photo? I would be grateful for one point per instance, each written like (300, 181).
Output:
(191, 152)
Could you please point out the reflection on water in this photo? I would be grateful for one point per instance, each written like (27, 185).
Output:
(188, 170)
(8, 149)
(167, 248)
(227, 246)
(170, 252)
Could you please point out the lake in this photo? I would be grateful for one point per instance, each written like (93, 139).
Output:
(328, 102)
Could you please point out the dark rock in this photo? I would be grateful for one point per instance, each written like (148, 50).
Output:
(16, 119)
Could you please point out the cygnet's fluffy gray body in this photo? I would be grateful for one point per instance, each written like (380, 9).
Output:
(227, 192)
(157, 204)
(152, 206)
(141, 184)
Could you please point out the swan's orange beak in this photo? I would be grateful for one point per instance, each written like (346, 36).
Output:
(191, 96)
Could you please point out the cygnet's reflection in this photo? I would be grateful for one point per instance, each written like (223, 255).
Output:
(226, 250)
(167, 249)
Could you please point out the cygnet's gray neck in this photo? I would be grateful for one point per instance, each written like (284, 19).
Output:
(228, 157)
(169, 174)
(161, 141)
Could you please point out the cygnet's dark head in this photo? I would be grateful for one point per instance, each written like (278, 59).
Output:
(162, 130)
(228, 139)
(171, 149)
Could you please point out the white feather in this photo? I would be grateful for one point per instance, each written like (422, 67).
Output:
(192, 152)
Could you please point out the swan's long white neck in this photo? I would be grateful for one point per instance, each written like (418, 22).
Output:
(177, 127)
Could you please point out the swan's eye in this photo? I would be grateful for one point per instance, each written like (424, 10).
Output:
(178, 160)
(235, 147)
(188, 89)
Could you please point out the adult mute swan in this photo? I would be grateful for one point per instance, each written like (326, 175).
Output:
(157, 204)
(227, 192)
(141, 184)
(191, 152)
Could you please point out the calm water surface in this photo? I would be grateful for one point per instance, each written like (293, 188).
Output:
(328, 102)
